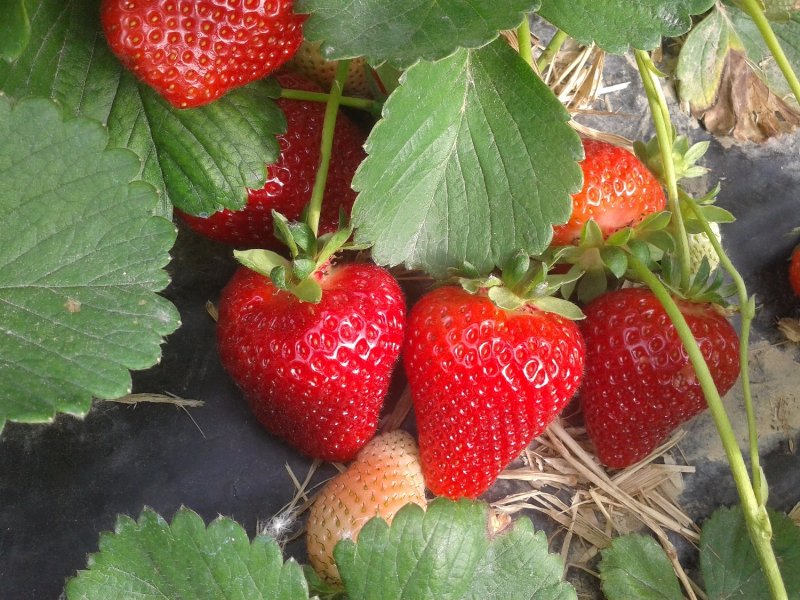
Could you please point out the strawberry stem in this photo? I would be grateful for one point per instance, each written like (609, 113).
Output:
(550, 51)
(349, 101)
(524, 41)
(747, 312)
(665, 135)
(328, 128)
(756, 516)
(754, 10)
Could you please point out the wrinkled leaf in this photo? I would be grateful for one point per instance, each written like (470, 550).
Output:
(200, 159)
(446, 553)
(151, 559)
(615, 25)
(15, 28)
(729, 564)
(80, 262)
(781, 10)
(635, 566)
(470, 170)
(402, 32)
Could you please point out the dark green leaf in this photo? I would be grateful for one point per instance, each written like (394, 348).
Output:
(15, 29)
(402, 32)
(447, 554)
(472, 169)
(635, 566)
(200, 160)
(729, 564)
(150, 559)
(614, 25)
(81, 260)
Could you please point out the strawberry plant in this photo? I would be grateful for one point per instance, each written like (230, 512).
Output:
(536, 266)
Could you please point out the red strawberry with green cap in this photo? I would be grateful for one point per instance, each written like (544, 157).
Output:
(193, 52)
(639, 385)
(485, 381)
(315, 371)
(794, 271)
(618, 191)
(290, 180)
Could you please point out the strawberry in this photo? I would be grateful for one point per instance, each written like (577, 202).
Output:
(290, 180)
(194, 52)
(639, 385)
(309, 61)
(385, 476)
(485, 381)
(794, 271)
(315, 375)
(618, 191)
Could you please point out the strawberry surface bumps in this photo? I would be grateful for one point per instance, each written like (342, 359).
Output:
(485, 382)
(639, 384)
(618, 191)
(290, 180)
(192, 52)
(314, 374)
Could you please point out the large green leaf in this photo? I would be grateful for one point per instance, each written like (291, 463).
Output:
(404, 31)
(616, 25)
(199, 159)
(635, 566)
(151, 559)
(472, 160)
(729, 564)
(81, 258)
(446, 553)
(15, 28)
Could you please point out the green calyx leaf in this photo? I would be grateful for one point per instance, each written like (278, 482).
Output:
(151, 559)
(448, 553)
(81, 265)
(635, 566)
(296, 277)
(297, 235)
(684, 157)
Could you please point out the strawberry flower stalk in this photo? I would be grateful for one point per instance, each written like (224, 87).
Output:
(751, 494)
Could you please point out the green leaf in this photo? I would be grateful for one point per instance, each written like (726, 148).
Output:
(151, 559)
(81, 258)
(729, 564)
(200, 159)
(781, 10)
(635, 566)
(446, 553)
(702, 59)
(471, 169)
(402, 32)
(15, 29)
(614, 25)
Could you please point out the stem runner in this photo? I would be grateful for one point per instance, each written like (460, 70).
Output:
(524, 41)
(550, 51)
(331, 110)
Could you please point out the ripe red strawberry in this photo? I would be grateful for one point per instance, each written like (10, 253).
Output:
(193, 52)
(618, 191)
(384, 477)
(485, 381)
(794, 271)
(290, 179)
(639, 385)
(314, 374)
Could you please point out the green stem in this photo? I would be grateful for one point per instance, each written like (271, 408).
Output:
(551, 50)
(755, 515)
(755, 12)
(328, 128)
(665, 135)
(524, 41)
(350, 101)
(747, 314)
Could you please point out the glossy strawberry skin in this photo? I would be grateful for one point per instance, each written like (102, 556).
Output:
(193, 52)
(639, 384)
(290, 180)
(485, 382)
(794, 271)
(315, 375)
(618, 191)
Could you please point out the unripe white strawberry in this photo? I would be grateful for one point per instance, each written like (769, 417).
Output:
(385, 476)
(309, 61)
(700, 247)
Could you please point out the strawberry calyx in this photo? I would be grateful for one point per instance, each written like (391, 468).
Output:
(684, 157)
(525, 282)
